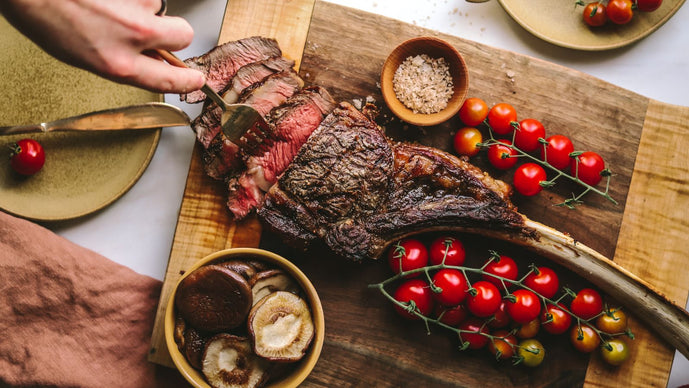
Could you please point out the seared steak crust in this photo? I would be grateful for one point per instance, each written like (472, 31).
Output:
(353, 189)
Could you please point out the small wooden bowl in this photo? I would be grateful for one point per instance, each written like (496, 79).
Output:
(435, 48)
(301, 369)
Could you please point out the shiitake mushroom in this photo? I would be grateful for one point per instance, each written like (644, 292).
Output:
(281, 327)
(269, 281)
(228, 362)
(243, 268)
(214, 299)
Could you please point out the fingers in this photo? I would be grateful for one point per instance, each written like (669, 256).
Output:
(155, 75)
(169, 33)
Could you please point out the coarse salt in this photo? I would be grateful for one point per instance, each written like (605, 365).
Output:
(423, 84)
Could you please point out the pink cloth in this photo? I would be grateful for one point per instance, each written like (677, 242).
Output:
(72, 318)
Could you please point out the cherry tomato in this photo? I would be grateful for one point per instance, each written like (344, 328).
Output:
(528, 177)
(544, 281)
(500, 118)
(500, 318)
(486, 301)
(648, 5)
(619, 11)
(473, 111)
(525, 307)
(505, 267)
(555, 319)
(557, 151)
(27, 157)
(503, 345)
(465, 141)
(453, 286)
(529, 329)
(594, 14)
(526, 138)
(419, 292)
(616, 353)
(451, 316)
(532, 352)
(502, 157)
(612, 322)
(584, 338)
(446, 248)
(472, 327)
(588, 167)
(406, 255)
(587, 304)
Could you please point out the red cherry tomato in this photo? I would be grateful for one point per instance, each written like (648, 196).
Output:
(466, 140)
(27, 157)
(446, 248)
(500, 318)
(525, 307)
(406, 255)
(526, 137)
(619, 11)
(588, 167)
(453, 287)
(528, 329)
(473, 111)
(503, 345)
(472, 328)
(500, 118)
(587, 304)
(594, 14)
(555, 319)
(451, 316)
(419, 292)
(504, 267)
(544, 281)
(584, 338)
(486, 301)
(557, 151)
(502, 157)
(528, 178)
(648, 5)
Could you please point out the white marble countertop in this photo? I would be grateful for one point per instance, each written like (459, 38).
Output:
(137, 230)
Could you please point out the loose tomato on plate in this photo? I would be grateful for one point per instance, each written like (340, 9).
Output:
(447, 250)
(527, 179)
(500, 118)
(417, 291)
(528, 134)
(620, 11)
(648, 5)
(452, 285)
(406, 255)
(544, 281)
(466, 140)
(27, 156)
(486, 301)
(473, 111)
(595, 14)
(501, 156)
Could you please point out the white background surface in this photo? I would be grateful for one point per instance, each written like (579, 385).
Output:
(138, 229)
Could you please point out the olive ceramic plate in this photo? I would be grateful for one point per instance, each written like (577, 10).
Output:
(83, 172)
(560, 22)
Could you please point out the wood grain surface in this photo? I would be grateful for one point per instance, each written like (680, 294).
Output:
(366, 343)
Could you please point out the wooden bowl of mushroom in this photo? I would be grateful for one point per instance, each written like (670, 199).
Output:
(244, 317)
(424, 81)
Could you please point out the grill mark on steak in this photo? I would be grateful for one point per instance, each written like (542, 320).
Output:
(355, 190)
(221, 63)
(291, 123)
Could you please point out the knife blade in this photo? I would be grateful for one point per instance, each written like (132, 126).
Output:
(141, 116)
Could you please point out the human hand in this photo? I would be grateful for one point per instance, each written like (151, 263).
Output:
(114, 39)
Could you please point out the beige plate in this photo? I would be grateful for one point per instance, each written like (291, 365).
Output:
(83, 172)
(560, 23)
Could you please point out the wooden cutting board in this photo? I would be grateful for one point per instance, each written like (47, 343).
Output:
(366, 343)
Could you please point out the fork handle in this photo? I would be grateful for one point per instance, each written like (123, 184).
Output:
(172, 59)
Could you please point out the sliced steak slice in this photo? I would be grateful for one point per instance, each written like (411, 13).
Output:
(355, 190)
(292, 123)
(254, 73)
(221, 157)
(221, 63)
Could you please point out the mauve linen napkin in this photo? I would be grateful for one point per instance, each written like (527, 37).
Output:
(72, 318)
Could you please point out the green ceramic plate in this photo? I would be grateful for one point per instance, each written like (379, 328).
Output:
(560, 23)
(83, 172)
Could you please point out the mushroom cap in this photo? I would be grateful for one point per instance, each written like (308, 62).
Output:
(269, 281)
(241, 267)
(281, 327)
(228, 362)
(213, 299)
